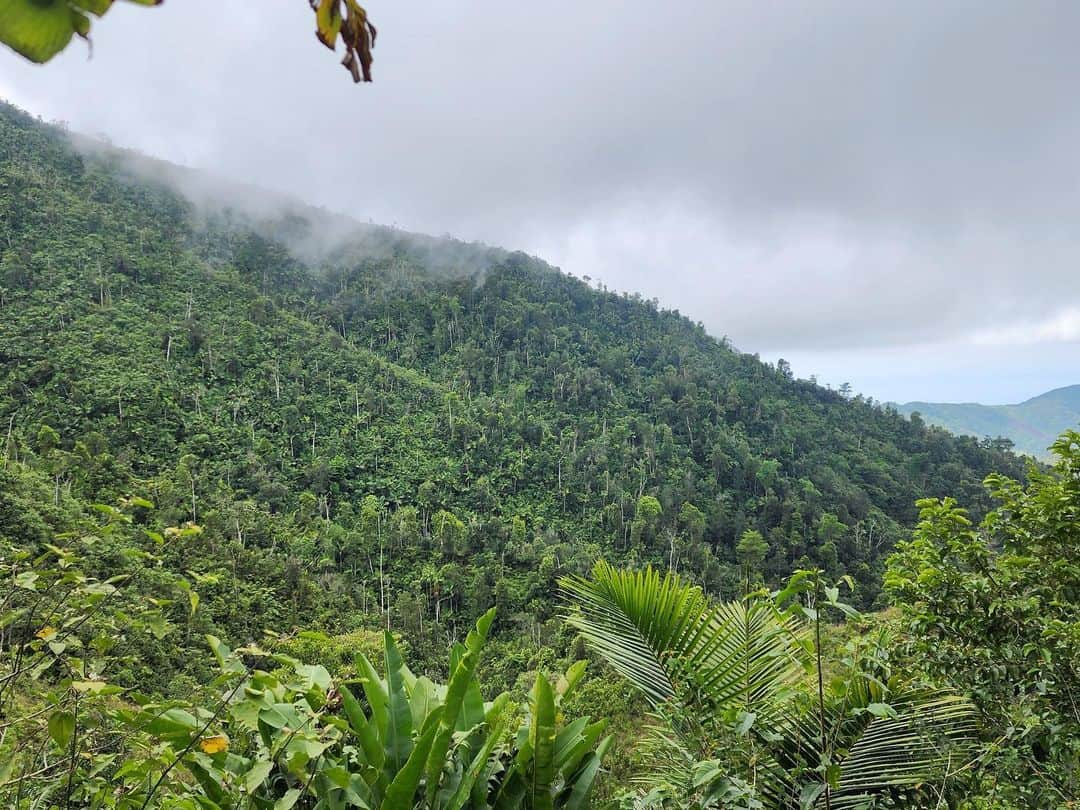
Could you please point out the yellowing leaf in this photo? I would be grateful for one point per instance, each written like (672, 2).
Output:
(215, 744)
(46, 633)
(327, 21)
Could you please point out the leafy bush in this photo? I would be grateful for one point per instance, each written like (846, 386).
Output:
(995, 612)
(295, 737)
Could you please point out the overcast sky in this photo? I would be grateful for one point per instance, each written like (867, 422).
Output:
(885, 193)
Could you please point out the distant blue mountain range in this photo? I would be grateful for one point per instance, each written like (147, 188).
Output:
(1032, 425)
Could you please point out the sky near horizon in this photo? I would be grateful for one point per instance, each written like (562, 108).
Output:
(884, 193)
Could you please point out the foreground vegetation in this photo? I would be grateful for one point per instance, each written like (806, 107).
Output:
(964, 695)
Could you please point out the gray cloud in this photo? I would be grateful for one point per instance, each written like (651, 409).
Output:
(799, 176)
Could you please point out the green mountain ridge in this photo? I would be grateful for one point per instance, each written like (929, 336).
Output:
(1031, 425)
(398, 430)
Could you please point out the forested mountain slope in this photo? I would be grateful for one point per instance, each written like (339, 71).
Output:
(390, 429)
(1032, 425)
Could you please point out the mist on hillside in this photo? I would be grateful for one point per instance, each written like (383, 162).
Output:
(318, 237)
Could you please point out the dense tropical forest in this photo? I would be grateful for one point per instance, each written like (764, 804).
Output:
(665, 571)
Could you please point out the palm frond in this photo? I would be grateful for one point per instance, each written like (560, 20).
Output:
(931, 736)
(661, 634)
(638, 622)
(752, 655)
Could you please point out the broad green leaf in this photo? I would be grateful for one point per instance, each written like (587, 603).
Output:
(568, 682)
(281, 715)
(175, 725)
(61, 727)
(456, 690)
(315, 675)
(473, 782)
(159, 627)
(365, 731)
(581, 783)
(809, 794)
(225, 658)
(246, 713)
(257, 774)
(568, 740)
(398, 736)
(374, 691)
(423, 698)
(744, 723)
(881, 710)
(401, 793)
(542, 737)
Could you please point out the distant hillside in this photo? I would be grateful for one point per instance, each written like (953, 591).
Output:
(1032, 425)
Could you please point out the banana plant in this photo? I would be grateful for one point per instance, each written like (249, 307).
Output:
(395, 741)
(746, 716)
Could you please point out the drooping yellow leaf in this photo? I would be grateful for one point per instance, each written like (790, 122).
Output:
(46, 633)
